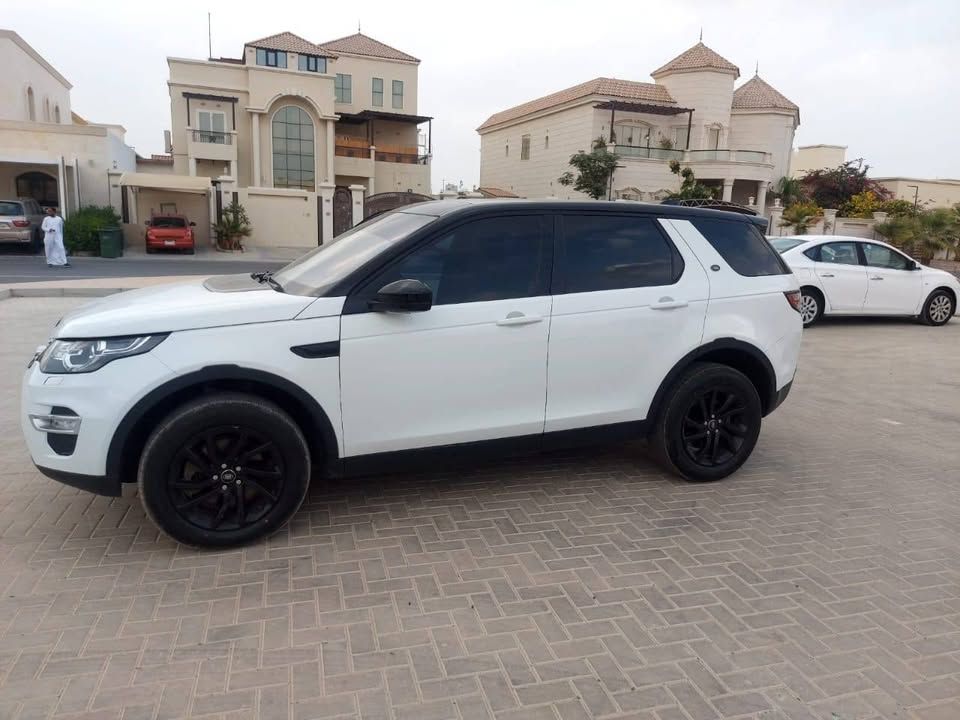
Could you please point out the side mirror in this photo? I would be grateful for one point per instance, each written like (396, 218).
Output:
(193, 224)
(914, 265)
(146, 223)
(403, 296)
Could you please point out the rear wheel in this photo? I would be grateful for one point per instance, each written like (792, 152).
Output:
(939, 308)
(811, 305)
(36, 243)
(224, 470)
(709, 424)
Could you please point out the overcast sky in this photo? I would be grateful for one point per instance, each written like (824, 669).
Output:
(880, 77)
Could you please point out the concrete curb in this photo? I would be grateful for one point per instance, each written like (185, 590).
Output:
(9, 293)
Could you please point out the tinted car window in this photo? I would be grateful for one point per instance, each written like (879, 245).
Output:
(883, 257)
(781, 245)
(168, 222)
(839, 253)
(610, 252)
(742, 245)
(320, 269)
(10, 208)
(482, 260)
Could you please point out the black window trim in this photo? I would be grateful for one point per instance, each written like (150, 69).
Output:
(359, 281)
(560, 251)
(818, 255)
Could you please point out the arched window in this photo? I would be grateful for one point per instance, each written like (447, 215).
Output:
(31, 106)
(46, 109)
(39, 186)
(56, 113)
(293, 149)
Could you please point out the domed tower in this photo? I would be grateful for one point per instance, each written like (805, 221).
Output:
(702, 79)
(763, 119)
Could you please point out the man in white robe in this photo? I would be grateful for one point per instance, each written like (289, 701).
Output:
(53, 239)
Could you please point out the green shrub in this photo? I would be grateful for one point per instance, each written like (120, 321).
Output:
(81, 230)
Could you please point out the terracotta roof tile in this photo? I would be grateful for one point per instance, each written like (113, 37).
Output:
(606, 87)
(288, 42)
(360, 44)
(755, 93)
(699, 57)
(495, 192)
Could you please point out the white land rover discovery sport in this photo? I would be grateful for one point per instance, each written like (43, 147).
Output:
(441, 326)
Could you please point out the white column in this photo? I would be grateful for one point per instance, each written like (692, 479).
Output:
(331, 142)
(193, 167)
(132, 201)
(762, 195)
(776, 215)
(356, 195)
(728, 189)
(62, 187)
(325, 190)
(370, 185)
(255, 138)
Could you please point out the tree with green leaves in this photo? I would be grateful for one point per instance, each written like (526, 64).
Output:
(594, 170)
(690, 187)
(923, 234)
(789, 191)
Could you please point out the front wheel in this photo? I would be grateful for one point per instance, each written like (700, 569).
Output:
(224, 470)
(709, 424)
(939, 308)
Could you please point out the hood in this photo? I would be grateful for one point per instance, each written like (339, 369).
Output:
(181, 306)
(937, 275)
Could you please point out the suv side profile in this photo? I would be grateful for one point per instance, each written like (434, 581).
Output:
(20, 222)
(437, 328)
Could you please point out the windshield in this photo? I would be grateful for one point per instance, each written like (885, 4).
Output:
(781, 245)
(320, 269)
(168, 222)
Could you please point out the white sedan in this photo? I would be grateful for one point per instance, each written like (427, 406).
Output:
(854, 276)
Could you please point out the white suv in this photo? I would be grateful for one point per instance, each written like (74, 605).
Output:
(443, 326)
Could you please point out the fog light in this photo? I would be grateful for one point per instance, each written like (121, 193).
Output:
(60, 424)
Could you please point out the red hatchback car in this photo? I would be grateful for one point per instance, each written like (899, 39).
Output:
(170, 232)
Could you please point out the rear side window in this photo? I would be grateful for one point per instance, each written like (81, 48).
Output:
(168, 222)
(742, 245)
(11, 208)
(611, 252)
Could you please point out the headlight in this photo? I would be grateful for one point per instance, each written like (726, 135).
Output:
(83, 356)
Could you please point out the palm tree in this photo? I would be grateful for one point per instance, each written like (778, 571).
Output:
(924, 234)
(801, 216)
(789, 190)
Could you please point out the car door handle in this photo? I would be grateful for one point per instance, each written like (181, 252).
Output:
(518, 318)
(876, 277)
(826, 274)
(668, 303)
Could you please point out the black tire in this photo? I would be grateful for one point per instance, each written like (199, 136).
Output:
(150, 250)
(687, 437)
(811, 299)
(36, 243)
(224, 470)
(939, 308)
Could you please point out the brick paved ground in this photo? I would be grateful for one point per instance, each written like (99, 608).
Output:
(822, 581)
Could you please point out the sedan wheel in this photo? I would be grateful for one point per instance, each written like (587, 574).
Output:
(811, 307)
(939, 309)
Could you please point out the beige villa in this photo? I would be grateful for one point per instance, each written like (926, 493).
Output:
(48, 152)
(300, 133)
(738, 139)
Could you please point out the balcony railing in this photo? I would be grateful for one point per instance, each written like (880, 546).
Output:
(410, 158)
(214, 137)
(351, 152)
(735, 156)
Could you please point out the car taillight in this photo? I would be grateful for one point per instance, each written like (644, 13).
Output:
(793, 297)
(21, 223)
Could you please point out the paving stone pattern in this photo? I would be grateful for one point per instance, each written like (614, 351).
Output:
(822, 581)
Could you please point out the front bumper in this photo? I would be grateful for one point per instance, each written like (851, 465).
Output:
(98, 484)
(101, 399)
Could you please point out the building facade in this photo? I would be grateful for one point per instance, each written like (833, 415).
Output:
(47, 152)
(298, 132)
(737, 139)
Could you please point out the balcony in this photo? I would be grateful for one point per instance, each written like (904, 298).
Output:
(211, 145)
(755, 157)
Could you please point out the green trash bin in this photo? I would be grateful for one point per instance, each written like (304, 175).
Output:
(111, 242)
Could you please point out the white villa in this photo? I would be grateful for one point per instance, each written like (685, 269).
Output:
(738, 139)
(47, 152)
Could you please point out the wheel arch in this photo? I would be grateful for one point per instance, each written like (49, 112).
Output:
(126, 446)
(945, 288)
(740, 355)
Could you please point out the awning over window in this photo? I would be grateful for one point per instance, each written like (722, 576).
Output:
(158, 181)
